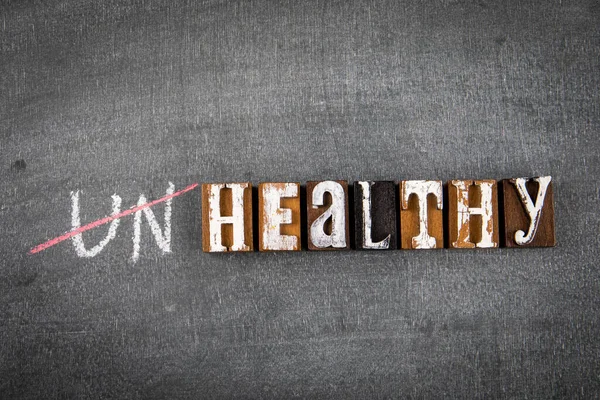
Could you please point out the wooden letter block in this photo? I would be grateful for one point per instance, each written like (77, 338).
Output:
(327, 215)
(375, 215)
(528, 223)
(227, 217)
(421, 215)
(473, 213)
(279, 216)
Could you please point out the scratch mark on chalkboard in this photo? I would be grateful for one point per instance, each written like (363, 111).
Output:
(27, 280)
(108, 219)
(19, 165)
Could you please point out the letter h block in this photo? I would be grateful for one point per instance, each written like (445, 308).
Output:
(227, 217)
(473, 214)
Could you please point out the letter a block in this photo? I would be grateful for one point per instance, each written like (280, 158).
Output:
(279, 216)
(227, 217)
(421, 215)
(375, 215)
(327, 215)
(473, 214)
(528, 212)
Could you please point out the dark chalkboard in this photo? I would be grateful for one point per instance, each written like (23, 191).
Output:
(123, 97)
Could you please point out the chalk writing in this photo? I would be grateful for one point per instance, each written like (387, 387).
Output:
(105, 220)
(163, 240)
(76, 226)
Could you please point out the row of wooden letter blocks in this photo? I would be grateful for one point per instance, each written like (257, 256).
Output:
(413, 214)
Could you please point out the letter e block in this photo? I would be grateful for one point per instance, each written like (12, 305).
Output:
(279, 216)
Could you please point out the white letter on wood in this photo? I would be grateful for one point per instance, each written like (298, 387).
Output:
(236, 218)
(272, 239)
(367, 221)
(76, 223)
(337, 212)
(485, 210)
(163, 240)
(421, 189)
(534, 210)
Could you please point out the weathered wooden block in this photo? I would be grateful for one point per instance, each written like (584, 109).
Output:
(473, 213)
(528, 206)
(227, 217)
(327, 215)
(279, 216)
(421, 215)
(375, 215)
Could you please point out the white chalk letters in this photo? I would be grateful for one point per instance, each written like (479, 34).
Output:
(76, 223)
(162, 237)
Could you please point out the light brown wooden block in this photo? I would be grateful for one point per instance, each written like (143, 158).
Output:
(473, 213)
(528, 206)
(227, 217)
(328, 224)
(421, 215)
(279, 216)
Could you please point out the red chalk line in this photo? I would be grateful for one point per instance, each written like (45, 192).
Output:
(106, 220)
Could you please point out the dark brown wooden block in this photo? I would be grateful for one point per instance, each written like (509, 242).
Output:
(279, 216)
(375, 215)
(536, 226)
(227, 217)
(421, 214)
(327, 215)
(472, 214)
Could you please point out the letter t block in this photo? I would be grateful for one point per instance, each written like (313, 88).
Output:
(421, 215)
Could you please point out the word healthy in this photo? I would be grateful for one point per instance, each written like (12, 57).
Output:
(414, 214)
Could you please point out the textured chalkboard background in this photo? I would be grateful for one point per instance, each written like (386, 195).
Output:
(123, 97)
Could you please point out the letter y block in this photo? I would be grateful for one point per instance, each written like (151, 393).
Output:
(528, 212)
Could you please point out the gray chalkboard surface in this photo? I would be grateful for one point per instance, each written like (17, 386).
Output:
(123, 97)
